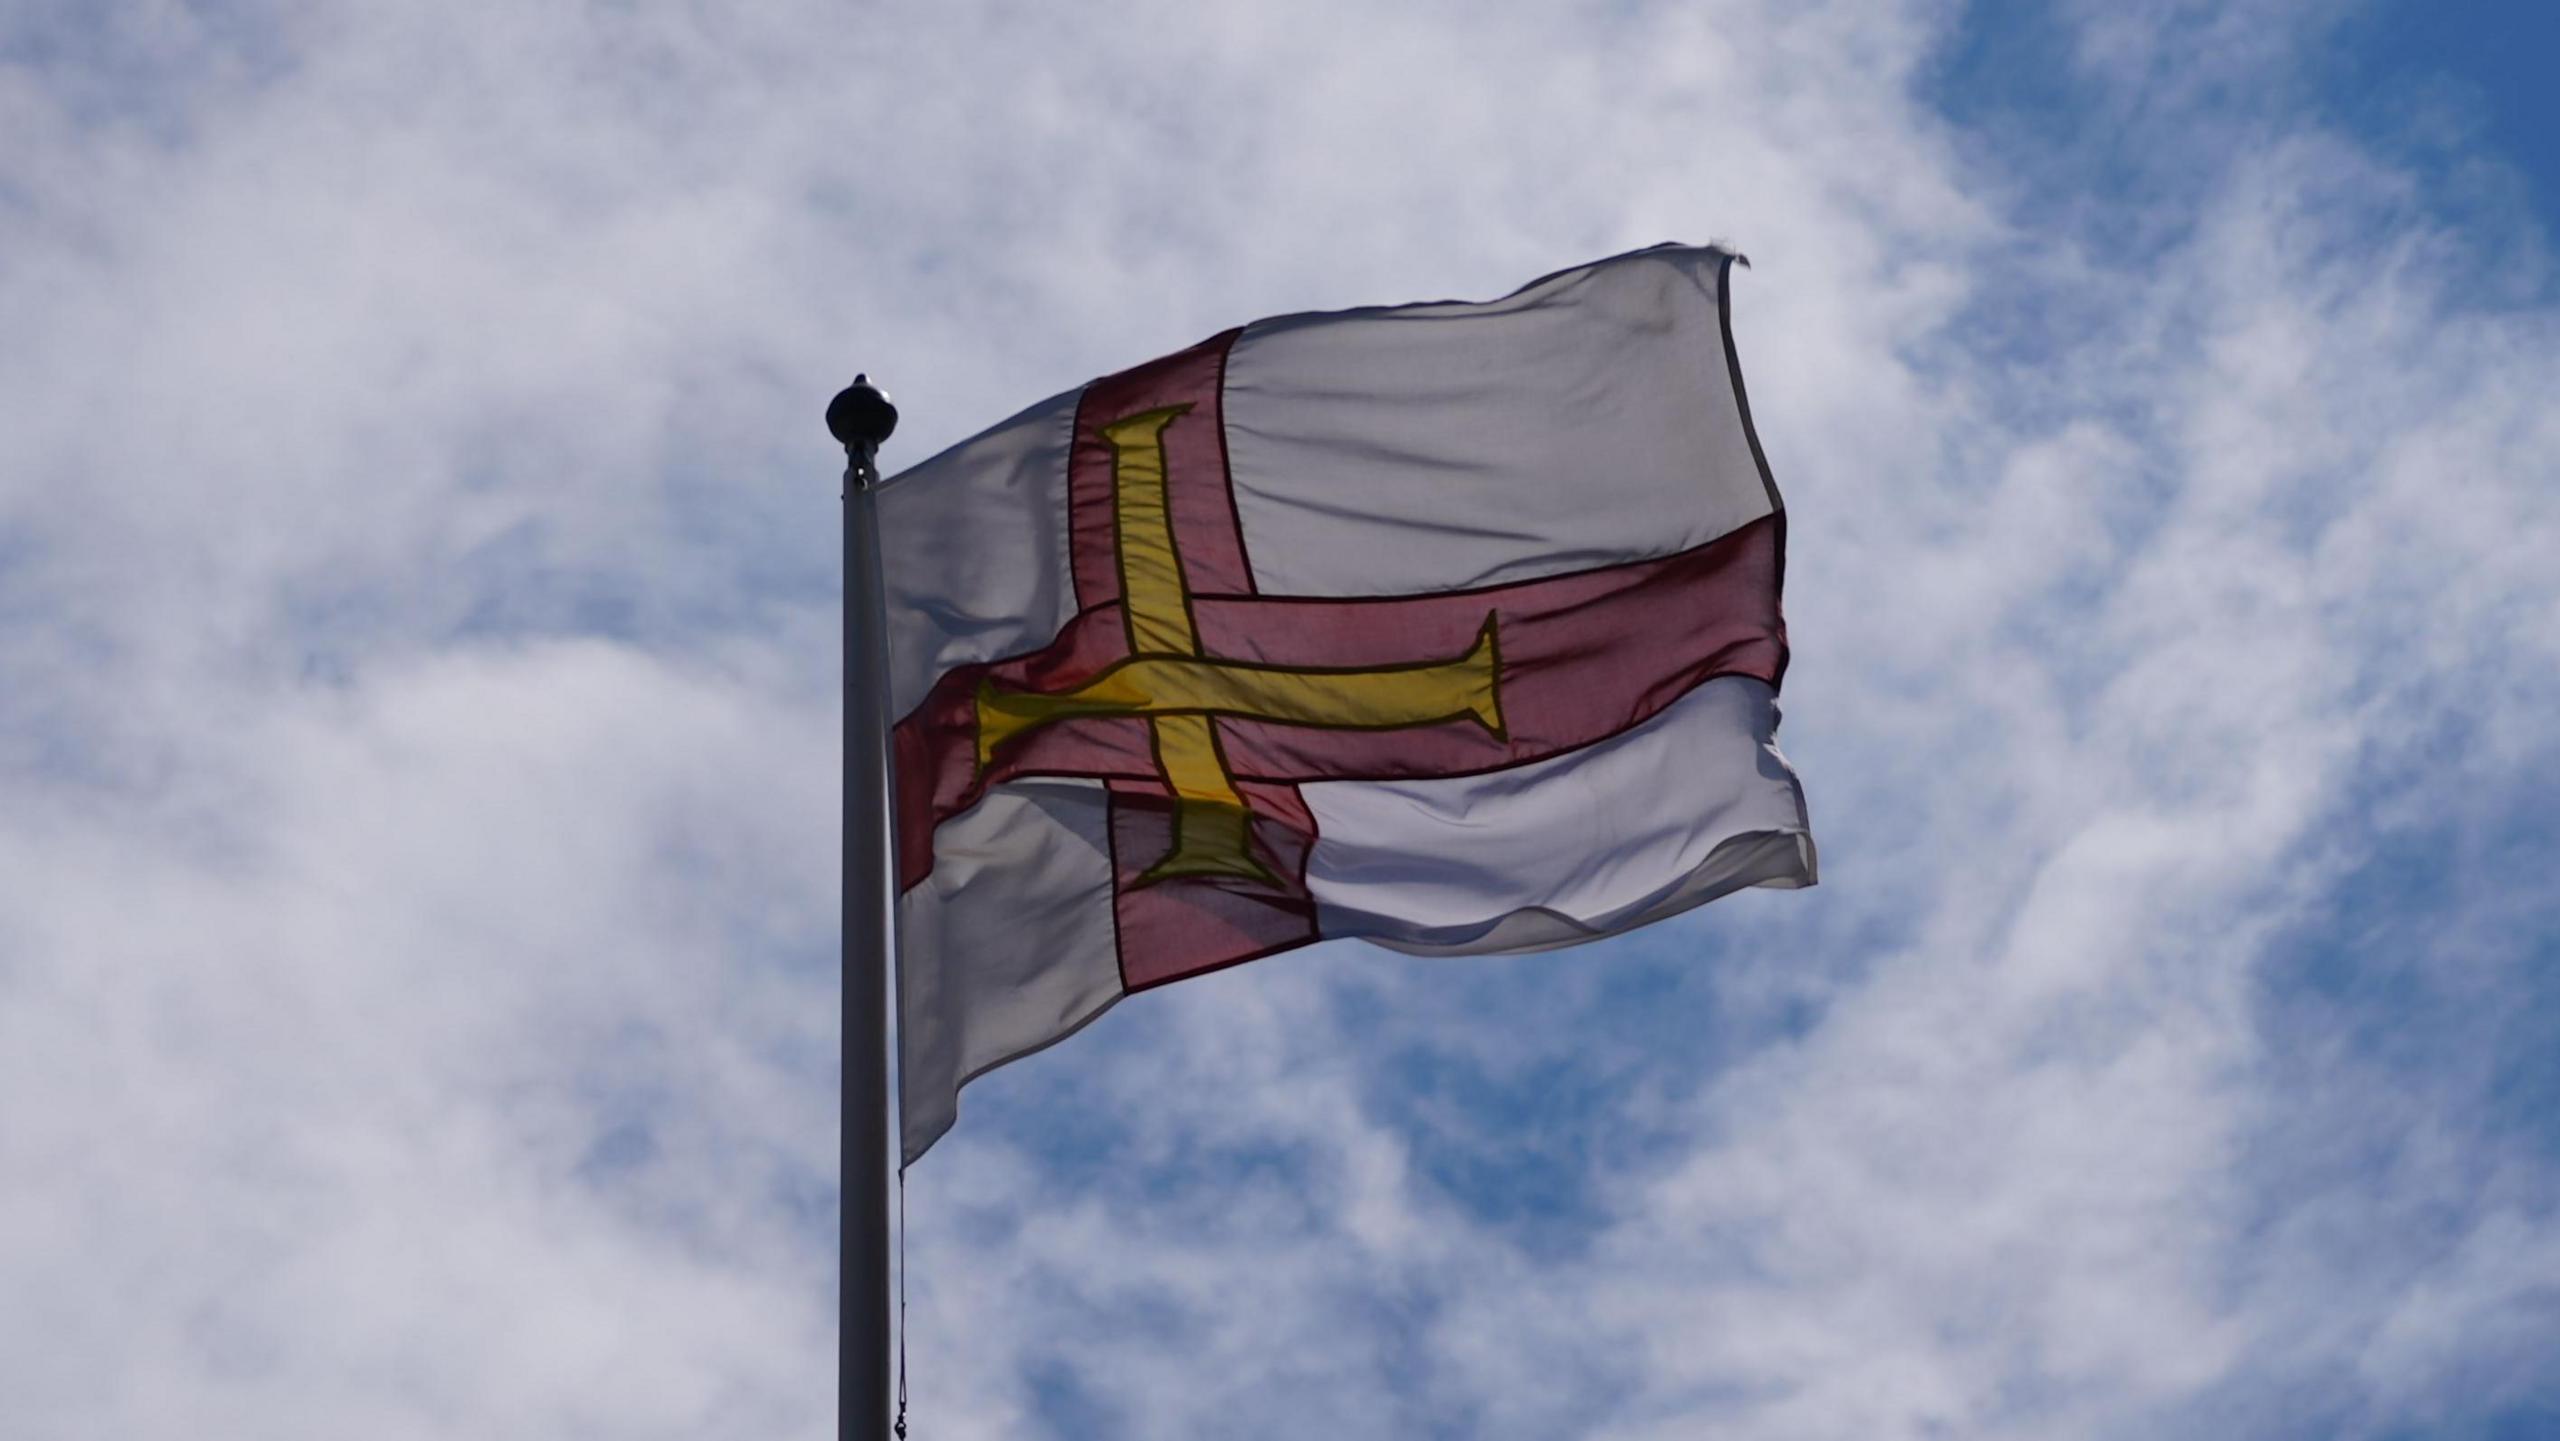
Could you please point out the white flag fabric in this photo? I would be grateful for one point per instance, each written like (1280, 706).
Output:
(1454, 627)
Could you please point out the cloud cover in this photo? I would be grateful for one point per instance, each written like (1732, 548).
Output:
(416, 748)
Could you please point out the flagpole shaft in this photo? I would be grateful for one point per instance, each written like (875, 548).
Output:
(862, 1364)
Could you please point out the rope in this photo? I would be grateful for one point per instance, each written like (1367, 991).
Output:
(898, 1427)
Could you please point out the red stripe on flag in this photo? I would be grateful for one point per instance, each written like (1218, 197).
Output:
(1584, 656)
(1205, 533)
(1171, 931)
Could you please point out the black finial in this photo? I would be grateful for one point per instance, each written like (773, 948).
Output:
(861, 417)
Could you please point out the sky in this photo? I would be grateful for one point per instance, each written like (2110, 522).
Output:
(419, 713)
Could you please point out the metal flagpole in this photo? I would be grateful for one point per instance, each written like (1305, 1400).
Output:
(861, 417)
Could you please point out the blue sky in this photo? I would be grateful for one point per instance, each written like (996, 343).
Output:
(418, 724)
(2467, 77)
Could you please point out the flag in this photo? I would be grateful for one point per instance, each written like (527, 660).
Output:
(1453, 627)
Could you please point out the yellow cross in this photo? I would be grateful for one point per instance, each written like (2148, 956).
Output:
(1166, 679)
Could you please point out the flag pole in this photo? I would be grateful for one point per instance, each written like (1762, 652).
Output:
(861, 417)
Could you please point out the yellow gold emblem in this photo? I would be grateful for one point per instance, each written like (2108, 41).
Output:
(1167, 679)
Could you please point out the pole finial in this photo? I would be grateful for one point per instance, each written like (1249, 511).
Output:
(861, 416)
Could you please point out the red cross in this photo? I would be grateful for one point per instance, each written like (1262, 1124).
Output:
(1585, 655)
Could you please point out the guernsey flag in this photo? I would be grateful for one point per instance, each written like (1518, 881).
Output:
(1452, 627)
